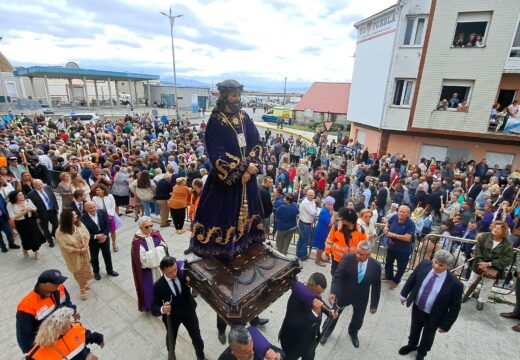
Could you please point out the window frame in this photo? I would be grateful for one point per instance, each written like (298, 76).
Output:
(413, 34)
(403, 93)
(472, 17)
(513, 47)
(470, 84)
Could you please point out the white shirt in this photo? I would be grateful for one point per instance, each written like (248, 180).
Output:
(170, 284)
(4, 191)
(42, 195)
(95, 219)
(435, 290)
(308, 211)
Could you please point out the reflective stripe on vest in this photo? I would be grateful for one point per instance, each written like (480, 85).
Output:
(39, 307)
(66, 347)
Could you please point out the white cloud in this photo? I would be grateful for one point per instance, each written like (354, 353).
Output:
(304, 40)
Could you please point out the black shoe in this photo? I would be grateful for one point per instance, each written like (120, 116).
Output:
(113, 273)
(355, 340)
(420, 357)
(97, 276)
(203, 357)
(51, 243)
(222, 337)
(323, 340)
(4, 249)
(258, 321)
(14, 246)
(480, 306)
(405, 350)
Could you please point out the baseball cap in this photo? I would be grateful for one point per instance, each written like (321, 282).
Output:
(52, 276)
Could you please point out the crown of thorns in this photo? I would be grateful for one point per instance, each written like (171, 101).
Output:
(229, 86)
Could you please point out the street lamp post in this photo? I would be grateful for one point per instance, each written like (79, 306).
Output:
(284, 90)
(172, 22)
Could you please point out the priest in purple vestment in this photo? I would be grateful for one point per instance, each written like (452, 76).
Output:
(148, 249)
(229, 216)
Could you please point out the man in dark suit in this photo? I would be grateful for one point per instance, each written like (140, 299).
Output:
(5, 227)
(382, 195)
(78, 204)
(97, 224)
(172, 297)
(357, 275)
(47, 209)
(509, 192)
(300, 331)
(474, 189)
(436, 297)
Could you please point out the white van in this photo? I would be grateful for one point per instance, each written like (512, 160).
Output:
(83, 117)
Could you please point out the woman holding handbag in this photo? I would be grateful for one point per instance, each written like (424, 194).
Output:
(106, 201)
(73, 238)
(492, 254)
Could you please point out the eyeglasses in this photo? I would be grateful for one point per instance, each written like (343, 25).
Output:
(148, 226)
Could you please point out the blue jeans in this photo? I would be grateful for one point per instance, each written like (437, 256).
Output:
(148, 205)
(402, 260)
(303, 240)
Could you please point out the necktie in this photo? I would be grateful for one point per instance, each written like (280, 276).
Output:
(80, 206)
(177, 289)
(360, 273)
(421, 304)
(47, 200)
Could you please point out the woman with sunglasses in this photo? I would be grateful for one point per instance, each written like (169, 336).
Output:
(148, 249)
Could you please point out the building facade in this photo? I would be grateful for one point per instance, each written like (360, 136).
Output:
(450, 63)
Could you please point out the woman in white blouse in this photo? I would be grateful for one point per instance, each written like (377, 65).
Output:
(104, 200)
(23, 212)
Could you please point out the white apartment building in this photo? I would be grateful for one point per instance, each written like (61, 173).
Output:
(439, 48)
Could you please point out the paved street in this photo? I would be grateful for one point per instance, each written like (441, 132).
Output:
(112, 310)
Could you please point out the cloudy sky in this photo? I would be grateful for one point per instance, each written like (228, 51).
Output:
(256, 41)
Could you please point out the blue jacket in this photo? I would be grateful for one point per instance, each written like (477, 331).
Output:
(286, 217)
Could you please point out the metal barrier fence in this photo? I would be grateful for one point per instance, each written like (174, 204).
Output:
(425, 249)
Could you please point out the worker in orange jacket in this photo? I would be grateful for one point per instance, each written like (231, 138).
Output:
(49, 294)
(60, 338)
(343, 237)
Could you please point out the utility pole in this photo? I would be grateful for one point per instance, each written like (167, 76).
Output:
(284, 90)
(172, 23)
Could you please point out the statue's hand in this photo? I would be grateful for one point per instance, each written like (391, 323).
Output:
(245, 178)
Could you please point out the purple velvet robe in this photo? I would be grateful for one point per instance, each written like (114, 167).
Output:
(143, 278)
(216, 230)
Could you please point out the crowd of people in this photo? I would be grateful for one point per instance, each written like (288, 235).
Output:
(333, 196)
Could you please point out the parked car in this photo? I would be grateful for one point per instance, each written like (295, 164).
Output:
(47, 110)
